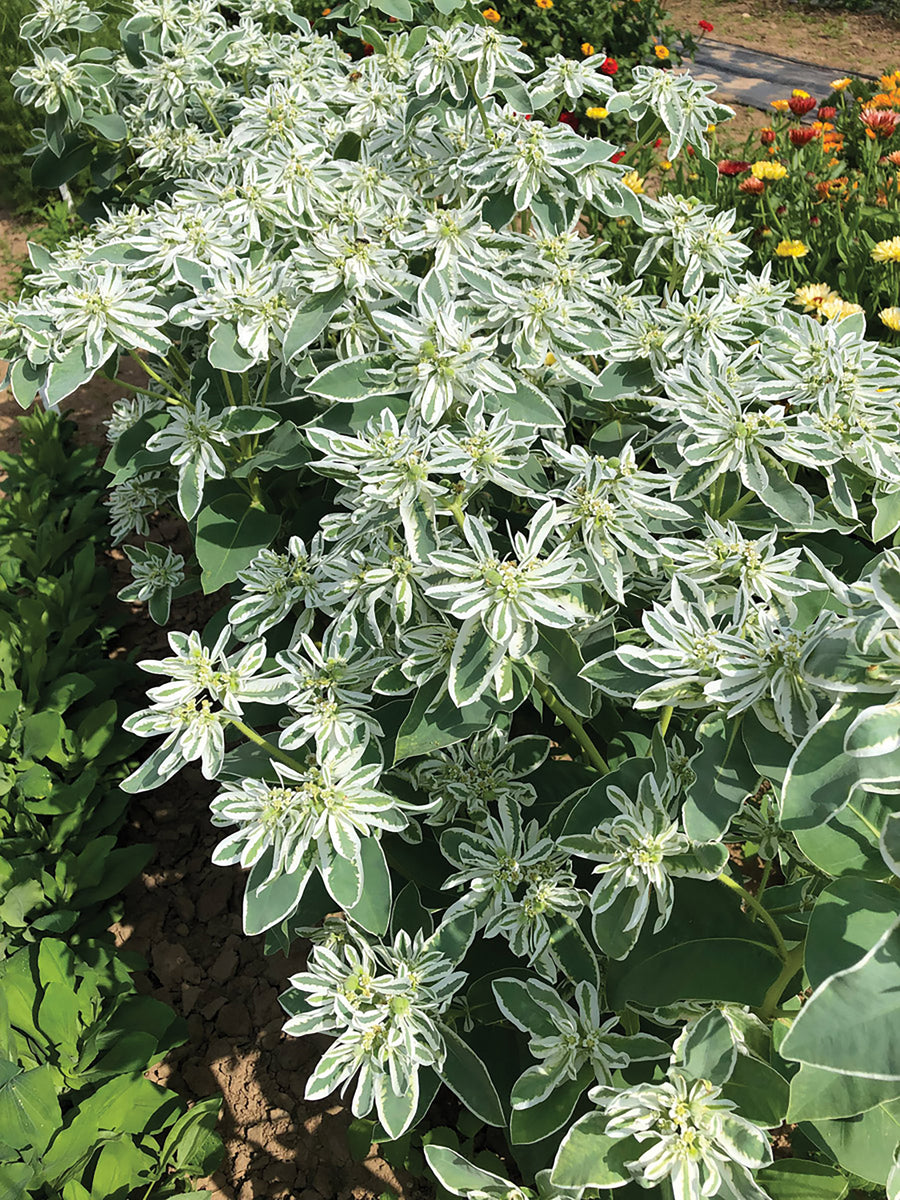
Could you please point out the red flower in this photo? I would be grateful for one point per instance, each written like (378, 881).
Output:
(827, 113)
(618, 156)
(568, 118)
(657, 143)
(802, 136)
(815, 220)
(609, 66)
(801, 105)
(368, 49)
(752, 185)
(706, 26)
(767, 136)
(733, 166)
(690, 150)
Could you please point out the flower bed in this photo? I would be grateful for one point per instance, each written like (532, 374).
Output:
(554, 701)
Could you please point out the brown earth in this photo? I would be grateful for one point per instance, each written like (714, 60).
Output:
(850, 42)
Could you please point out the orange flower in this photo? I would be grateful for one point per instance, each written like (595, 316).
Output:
(879, 120)
(661, 51)
(894, 157)
(828, 187)
(490, 14)
(587, 49)
(780, 105)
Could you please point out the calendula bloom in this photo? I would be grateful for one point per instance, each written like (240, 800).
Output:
(597, 114)
(802, 135)
(835, 309)
(838, 85)
(894, 158)
(801, 105)
(813, 295)
(880, 120)
(826, 112)
(780, 105)
(791, 249)
(633, 181)
(661, 51)
(767, 136)
(587, 49)
(665, 165)
(768, 170)
(733, 166)
(887, 251)
(490, 14)
(827, 187)
(891, 318)
(544, 3)
(754, 186)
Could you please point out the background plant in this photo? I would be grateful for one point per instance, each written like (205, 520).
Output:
(464, 472)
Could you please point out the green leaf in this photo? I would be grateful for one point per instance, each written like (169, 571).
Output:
(589, 1158)
(44, 734)
(708, 1051)
(192, 1141)
(434, 722)
(373, 909)
(347, 379)
(759, 1091)
(266, 905)
(863, 1145)
(849, 1024)
(467, 1077)
(120, 1168)
(724, 777)
(847, 844)
(820, 780)
(225, 353)
(849, 918)
(533, 1124)
(799, 1179)
(230, 532)
(818, 1095)
(456, 1173)
(473, 662)
(51, 170)
(29, 1109)
(709, 950)
(557, 660)
(400, 9)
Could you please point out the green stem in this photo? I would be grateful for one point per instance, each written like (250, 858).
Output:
(212, 116)
(754, 904)
(568, 718)
(737, 506)
(364, 305)
(228, 388)
(145, 391)
(791, 966)
(483, 113)
(159, 379)
(715, 502)
(273, 751)
(763, 883)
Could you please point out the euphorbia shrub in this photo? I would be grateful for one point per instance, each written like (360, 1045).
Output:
(546, 590)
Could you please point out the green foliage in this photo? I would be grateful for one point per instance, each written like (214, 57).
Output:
(77, 1117)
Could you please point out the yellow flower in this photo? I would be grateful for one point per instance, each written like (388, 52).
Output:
(891, 318)
(587, 49)
(665, 165)
(633, 181)
(544, 3)
(661, 51)
(791, 249)
(813, 295)
(597, 114)
(887, 251)
(835, 309)
(768, 170)
(780, 105)
(838, 85)
(800, 92)
(490, 14)
(550, 359)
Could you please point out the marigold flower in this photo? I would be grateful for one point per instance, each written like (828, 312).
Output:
(633, 181)
(826, 187)
(597, 114)
(813, 295)
(490, 14)
(802, 135)
(891, 318)
(780, 105)
(838, 85)
(733, 166)
(887, 251)
(769, 170)
(661, 51)
(706, 26)
(894, 157)
(835, 309)
(609, 66)
(587, 49)
(826, 112)
(880, 120)
(754, 186)
(800, 92)
(801, 105)
(791, 248)
(767, 136)
(544, 3)
(665, 165)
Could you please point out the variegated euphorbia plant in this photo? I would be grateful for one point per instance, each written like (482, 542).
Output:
(551, 579)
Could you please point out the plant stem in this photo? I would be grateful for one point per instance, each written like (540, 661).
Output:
(147, 369)
(273, 752)
(483, 113)
(364, 305)
(755, 905)
(229, 392)
(132, 387)
(767, 871)
(789, 969)
(572, 723)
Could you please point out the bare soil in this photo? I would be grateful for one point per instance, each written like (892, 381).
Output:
(860, 43)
